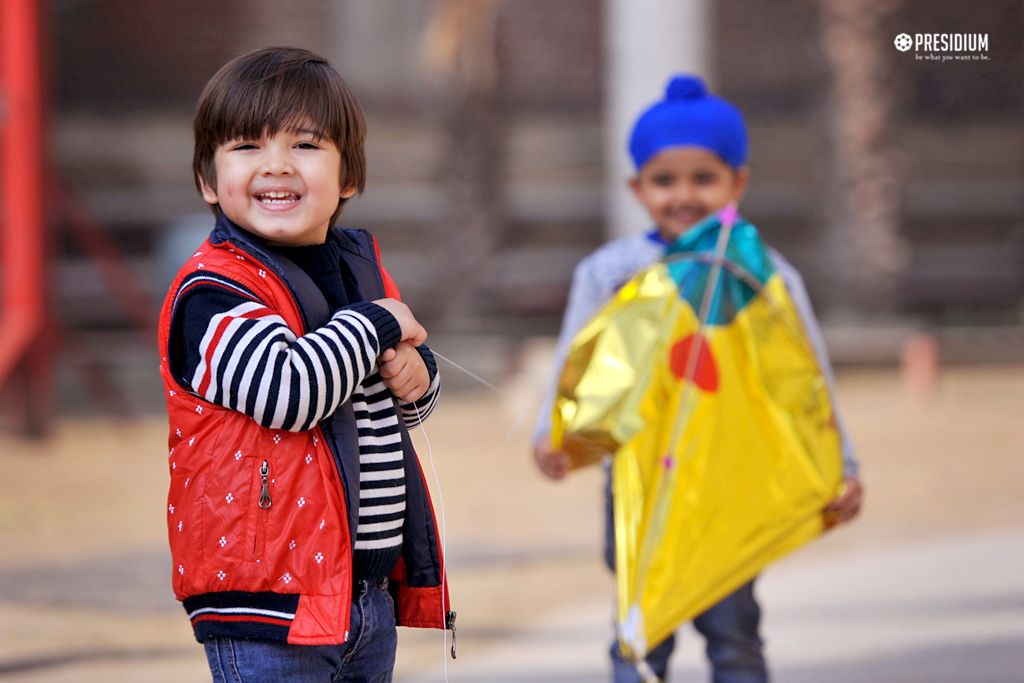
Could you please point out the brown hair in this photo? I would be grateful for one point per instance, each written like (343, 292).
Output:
(275, 89)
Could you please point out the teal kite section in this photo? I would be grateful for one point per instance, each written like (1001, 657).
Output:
(689, 262)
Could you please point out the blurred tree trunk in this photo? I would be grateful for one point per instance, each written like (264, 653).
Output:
(461, 48)
(863, 252)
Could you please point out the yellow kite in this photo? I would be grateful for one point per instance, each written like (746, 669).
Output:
(699, 378)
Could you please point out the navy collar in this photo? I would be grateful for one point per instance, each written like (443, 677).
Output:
(225, 230)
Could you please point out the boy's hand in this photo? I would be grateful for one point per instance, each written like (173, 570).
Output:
(404, 372)
(412, 331)
(552, 462)
(847, 506)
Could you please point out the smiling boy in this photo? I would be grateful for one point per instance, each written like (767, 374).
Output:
(282, 187)
(300, 526)
(689, 150)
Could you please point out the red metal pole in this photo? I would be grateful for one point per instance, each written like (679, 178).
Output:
(22, 276)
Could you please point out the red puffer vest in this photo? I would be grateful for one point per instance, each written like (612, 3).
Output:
(281, 573)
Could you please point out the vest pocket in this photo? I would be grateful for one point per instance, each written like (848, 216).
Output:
(229, 505)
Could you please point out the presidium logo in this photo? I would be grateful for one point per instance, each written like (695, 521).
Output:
(944, 47)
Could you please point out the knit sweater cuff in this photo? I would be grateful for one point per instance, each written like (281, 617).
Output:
(428, 360)
(388, 331)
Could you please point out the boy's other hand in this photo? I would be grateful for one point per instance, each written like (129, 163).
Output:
(847, 506)
(554, 463)
(404, 372)
(412, 331)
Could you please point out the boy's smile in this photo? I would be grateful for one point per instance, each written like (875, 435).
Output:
(274, 200)
(282, 187)
(681, 186)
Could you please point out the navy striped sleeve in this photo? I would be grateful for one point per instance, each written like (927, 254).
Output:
(231, 349)
(417, 411)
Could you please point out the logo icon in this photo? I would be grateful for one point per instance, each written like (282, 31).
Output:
(903, 42)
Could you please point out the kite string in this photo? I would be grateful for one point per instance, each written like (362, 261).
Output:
(440, 499)
(444, 546)
(523, 409)
(472, 374)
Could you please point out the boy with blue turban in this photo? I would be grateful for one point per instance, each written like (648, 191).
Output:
(690, 151)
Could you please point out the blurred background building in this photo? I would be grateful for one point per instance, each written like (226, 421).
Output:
(496, 130)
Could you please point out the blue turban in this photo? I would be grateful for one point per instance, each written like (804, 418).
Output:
(689, 115)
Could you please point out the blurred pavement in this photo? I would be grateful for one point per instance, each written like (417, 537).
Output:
(927, 586)
(945, 611)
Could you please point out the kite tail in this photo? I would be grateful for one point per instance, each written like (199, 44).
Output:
(632, 633)
(645, 671)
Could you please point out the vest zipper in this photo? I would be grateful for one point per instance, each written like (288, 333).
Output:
(265, 501)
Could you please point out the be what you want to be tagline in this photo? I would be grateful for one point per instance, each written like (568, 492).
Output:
(945, 47)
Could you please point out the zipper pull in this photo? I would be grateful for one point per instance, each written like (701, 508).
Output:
(450, 625)
(265, 491)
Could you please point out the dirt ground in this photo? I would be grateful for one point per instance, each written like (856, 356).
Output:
(84, 574)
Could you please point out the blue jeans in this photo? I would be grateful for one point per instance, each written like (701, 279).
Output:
(367, 657)
(734, 647)
(730, 628)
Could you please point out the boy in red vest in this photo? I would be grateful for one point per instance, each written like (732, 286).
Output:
(300, 525)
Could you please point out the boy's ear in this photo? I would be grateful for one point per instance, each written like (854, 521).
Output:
(347, 192)
(633, 183)
(741, 176)
(209, 194)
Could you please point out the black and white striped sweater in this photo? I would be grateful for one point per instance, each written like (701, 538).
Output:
(234, 351)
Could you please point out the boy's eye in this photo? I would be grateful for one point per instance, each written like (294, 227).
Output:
(705, 178)
(307, 145)
(663, 179)
(239, 146)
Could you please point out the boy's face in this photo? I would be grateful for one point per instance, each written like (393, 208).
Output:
(681, 186)
(283, 187)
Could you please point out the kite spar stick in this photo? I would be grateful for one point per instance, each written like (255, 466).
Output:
(656, 527)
